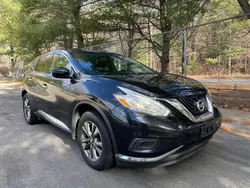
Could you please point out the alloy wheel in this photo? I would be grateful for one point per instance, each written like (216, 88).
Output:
(91, 141)
(27, 109)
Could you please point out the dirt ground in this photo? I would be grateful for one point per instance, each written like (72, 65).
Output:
(236, 99)
(232, 92)
(233, 76)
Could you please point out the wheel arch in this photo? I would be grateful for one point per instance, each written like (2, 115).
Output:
(85, 106)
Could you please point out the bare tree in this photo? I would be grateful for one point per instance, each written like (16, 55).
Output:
(245, 6)
(162, 16)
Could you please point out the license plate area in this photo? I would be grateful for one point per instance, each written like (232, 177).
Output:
(207, 130)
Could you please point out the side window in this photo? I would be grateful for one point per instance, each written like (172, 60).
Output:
(60, 61)
(34, 62)
(44, 63)
(120, 65)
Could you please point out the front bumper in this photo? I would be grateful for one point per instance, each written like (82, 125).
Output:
(150, 142)
(178, 154)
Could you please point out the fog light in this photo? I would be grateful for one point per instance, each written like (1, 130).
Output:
(141, 144)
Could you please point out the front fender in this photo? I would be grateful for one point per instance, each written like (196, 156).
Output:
(76, 117)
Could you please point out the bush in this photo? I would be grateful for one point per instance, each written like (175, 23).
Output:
(194, 67)
(4, 70)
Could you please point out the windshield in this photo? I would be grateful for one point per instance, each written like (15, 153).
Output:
(99, 63)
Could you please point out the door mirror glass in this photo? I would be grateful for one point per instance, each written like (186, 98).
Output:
(60, 72)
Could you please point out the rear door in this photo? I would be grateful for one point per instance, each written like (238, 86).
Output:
(41, 77)
(30, 83)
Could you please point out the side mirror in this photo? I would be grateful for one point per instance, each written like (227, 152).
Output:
(60, 72)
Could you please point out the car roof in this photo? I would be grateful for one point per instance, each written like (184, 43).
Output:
(75, 50)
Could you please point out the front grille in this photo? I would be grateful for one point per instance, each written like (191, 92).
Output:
(190, 102)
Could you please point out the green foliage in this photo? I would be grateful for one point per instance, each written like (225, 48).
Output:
(9, 27)
(194, 66)
(235, 52)
(211, 60)
(31, 27)
(219, 9)
(4, 51)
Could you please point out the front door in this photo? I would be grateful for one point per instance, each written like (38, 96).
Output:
(61, 90)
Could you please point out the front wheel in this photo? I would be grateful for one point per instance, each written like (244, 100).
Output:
(28, 111)
(94, 141)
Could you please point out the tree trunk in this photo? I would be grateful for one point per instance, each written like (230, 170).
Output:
(229, 65)
(130, 48)
(77, 24)
(12, 59)
(121, 44)
(166, 26)
(184, 53)
(244, 4)
(165, 57)
(130, 42)
(182, 57)
(246, 60)
(67, 41)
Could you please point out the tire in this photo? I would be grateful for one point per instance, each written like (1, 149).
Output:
(91, 123)
(28, 111)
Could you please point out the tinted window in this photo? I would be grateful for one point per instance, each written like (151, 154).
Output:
(108, 63)
(44, 63)
(35, 61)
(60, 61)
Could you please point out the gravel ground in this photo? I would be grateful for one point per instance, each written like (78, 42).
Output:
(44, 156)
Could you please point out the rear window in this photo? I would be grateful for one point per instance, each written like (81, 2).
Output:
(44, 63)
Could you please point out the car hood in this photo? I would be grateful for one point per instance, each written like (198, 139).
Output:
(161, 85)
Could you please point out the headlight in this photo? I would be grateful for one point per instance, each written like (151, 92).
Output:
(141, 103)
(209, 94)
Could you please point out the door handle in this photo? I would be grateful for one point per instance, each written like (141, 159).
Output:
(45, 86)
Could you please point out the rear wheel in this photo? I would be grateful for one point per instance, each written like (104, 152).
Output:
(28, 111)
(94, 142)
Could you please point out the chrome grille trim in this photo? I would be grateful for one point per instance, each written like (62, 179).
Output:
(190, 103)
(181, 108)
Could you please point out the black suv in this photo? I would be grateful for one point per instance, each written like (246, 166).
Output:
(119, 111)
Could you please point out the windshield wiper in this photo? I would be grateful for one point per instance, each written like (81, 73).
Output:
(143, 73)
